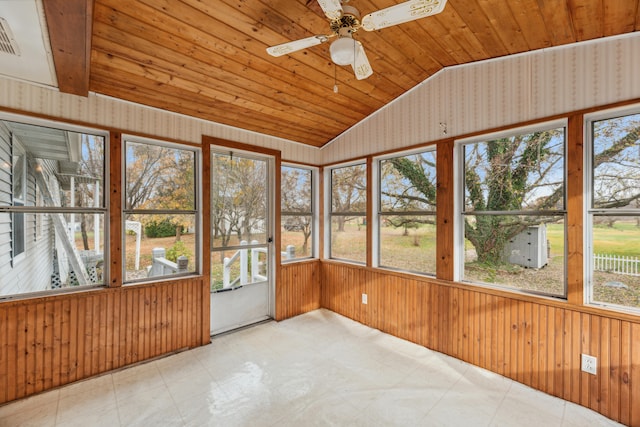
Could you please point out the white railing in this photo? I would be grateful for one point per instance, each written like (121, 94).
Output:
(617, 264)
(242, 256)
(162, 266)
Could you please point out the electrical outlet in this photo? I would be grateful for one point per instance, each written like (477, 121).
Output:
(364, 298)
(589, 364)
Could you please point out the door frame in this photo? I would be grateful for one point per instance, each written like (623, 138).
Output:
(209, 142)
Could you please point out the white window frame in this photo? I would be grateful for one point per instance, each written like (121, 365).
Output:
(197, 207)
(47, 211)
(459, 194)
(376, 214)
(315, 202)
(328, 208)
(589, 211)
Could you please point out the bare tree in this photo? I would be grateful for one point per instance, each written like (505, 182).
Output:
(348, 192)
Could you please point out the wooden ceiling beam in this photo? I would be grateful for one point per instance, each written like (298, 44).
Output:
(70, 26)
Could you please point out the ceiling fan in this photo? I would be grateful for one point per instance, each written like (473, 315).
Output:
(345, 20)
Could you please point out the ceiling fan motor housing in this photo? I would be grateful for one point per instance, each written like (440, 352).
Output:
(348, 23)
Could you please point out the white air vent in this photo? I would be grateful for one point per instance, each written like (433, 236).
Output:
(7, 42)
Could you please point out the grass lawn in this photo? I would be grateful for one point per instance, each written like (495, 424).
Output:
(622, 239)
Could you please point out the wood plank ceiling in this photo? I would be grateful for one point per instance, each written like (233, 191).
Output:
(207, 58)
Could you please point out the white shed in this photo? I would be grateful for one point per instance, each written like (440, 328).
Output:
(529, 248)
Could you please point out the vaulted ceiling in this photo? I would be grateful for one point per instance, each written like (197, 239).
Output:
(207, 58)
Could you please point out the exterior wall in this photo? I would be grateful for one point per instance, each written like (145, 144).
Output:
(500, 92)
(128, 117)
(33, 271)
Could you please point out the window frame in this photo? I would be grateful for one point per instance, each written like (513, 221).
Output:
(590, 211)
(330, 214)
(314, 203)
(378, 214)
(197, 211)
(36, 210)
(459, 203)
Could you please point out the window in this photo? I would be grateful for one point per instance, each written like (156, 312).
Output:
(297, 213)
(348, 213)
(56, 196)
(513, 210)
(406, 212)
(614, 210)
(161, 204)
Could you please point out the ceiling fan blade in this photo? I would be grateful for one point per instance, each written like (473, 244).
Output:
(285, 48)
(401, 13)
(331, 8)
(361, 67)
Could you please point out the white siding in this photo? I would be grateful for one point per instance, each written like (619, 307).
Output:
(33, 271)
(498, 93)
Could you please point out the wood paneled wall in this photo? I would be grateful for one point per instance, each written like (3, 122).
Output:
(50, 341)
(526, 339)
(299, 289)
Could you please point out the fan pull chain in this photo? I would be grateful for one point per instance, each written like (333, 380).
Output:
(335, 78)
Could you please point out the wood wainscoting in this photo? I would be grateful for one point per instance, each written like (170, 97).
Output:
(50, 341)
(524, 338)
(298, 290)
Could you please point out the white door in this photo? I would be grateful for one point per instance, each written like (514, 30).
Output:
(241, 239)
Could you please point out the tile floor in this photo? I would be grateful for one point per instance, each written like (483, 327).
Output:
(318, 369)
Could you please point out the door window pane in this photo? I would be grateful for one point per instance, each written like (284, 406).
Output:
(238, 200)
(239, 221)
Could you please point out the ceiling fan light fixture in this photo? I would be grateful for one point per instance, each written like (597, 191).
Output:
(342, 51)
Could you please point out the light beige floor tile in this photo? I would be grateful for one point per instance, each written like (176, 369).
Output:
(531, 408)
(131, 382)
(35, 411)
(317, 369)
(154, 407)
(104, 416)
(579, 416)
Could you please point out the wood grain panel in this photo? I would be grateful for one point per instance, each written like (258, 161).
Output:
(529, 340)
(208, 59)
(51, 341)
(298, 290)
(444, 213)
(575, 203)
(69, 24)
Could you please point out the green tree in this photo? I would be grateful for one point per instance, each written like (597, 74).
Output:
(408, 184)
(524, 173)
(518, 173)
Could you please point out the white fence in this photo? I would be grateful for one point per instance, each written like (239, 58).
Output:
(162, 266)
(616, 264)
